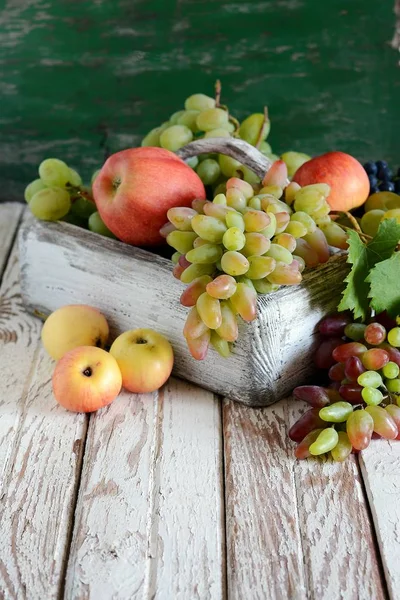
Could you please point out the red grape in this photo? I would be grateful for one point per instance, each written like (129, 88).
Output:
(374, 334)
(334, 325)
(314, 395)
(336, 372)
(394, 353)
(375, 359)
(353, 367)
(384, 425)
(302, 450)
(359, 427)
(323, 355)
(351, 392)
(394, 412)
(344, 351)
(307, 422)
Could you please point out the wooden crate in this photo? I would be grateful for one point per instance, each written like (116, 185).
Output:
(63, 264)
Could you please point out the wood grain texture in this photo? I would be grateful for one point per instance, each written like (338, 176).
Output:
(149, 519)
(380, 467)
(63, 264)
(295, 529)
(132, 64)
(40, 452)
(10, 214)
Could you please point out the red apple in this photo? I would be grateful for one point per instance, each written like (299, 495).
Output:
(86, 379)
(346, 176)
(135, 189)
(145, 359)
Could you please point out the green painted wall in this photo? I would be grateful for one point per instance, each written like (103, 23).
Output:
(79, 77)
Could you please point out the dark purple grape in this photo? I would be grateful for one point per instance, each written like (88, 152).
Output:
(372, 181)
(386, 186)
(307, 422)
(336, 372)
(397, 186)
(351, 393)
(385, 174)
(353, 368)
(381, 164)
(323, 356)
(371, 168)
(398, 172)
(374, 189)
(314, 395)
(334, 325)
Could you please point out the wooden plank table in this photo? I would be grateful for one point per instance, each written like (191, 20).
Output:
(177, 494)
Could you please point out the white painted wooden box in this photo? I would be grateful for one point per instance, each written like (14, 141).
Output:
(63, 264)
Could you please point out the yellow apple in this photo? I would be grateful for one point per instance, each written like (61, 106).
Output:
(145, 359)
(86, 379)
(71, 326)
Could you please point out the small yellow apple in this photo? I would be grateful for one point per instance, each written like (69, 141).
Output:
(86, 379)
(71, 326)
(145, 359)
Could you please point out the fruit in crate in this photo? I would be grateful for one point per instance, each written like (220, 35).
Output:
(242, 244)
(344, 174)
(384, 200)
(71, 326)
(135, 189)
(86, 379)
(145, 359)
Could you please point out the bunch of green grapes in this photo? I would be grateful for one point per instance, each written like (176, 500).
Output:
(204, 117)
(58, 194)
(379, 206)
(242, 244)
(363, 397)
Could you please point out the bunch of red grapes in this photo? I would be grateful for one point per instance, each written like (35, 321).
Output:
(361, 398)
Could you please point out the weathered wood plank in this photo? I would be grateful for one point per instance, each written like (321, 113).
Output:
(380, 468)
(310, 534)
(149, 519)
(10, 214)
(338, 541)
(264, 553)
(63, 264)
(40, 452)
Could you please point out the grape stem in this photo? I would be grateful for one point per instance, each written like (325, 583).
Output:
(78, 193)
(356, 227)
(263, 127)
(218, 89)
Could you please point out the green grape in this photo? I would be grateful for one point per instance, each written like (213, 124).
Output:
(82, 207)
(208, 171)
(181, 217)
(296, 229)
(234, 219)
(54, 172)
(193, 161)
(228, 330)
(229, 166)
(209, 309)
(260, 266)
(94, 176)
(97, 225)
(74, 178)
(175, 137)
(153, 137)
(220, 345)
(175, 116)
(343, 448)
(175, 257)
(215, 133)
(338, 412)
(391, 370)
(244, 187)
(355, 331)
(194, 271)
(220, 188)
(279, 253)
(256, 244)
(32, 188)
(235, 199)
(370, 379)
(325, 442)
(273, 190)
(188, 118)
(209, 228)
(309, 200)
(265, 148)
(75, 220)
(270, 230)
(371, 396)
(335, 236)
(199, 102)
(393, 386)
(212, 118)
(182, 241)
(205, 255)
(220, 200)
(50, 204)
(249, 176)
(234, 239)
(255, 203)
(233, 263)
(294, 160)
(218, 211)
(263, 286)
(305, 219)
(256, 220)
(230, 127)
(394, 337)
(254, 128)
(286, 241)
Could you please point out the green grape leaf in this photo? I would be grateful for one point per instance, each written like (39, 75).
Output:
(384, 280)
(363, 258)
